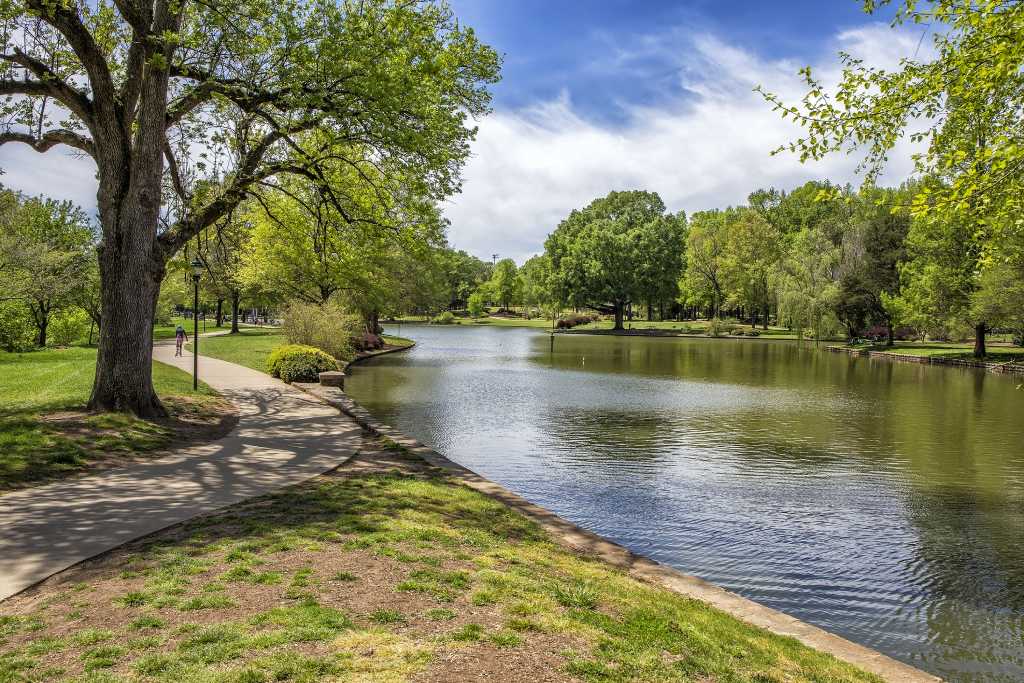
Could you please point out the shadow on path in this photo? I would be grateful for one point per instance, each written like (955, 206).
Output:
(283, 437)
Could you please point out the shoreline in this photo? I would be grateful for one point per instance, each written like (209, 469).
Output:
(1004, 368)
(638, 566)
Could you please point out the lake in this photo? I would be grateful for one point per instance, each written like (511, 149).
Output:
(881, 501)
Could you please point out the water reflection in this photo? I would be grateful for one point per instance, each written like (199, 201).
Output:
(882, 501)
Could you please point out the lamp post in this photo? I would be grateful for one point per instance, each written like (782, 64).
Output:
(197, 272)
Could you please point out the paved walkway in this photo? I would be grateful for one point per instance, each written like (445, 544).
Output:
(283, 437)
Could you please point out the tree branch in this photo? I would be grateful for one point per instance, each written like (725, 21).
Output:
(51, 139)
(64, 18)
(49, 83)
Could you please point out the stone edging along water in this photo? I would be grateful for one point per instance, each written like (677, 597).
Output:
(639, 567)
(1004, 368)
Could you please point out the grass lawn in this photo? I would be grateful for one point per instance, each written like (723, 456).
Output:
(382, 570)
(392, 340)
(45, 435)
(250, 347)
(954, 351)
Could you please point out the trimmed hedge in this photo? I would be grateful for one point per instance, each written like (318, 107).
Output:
(298, 363)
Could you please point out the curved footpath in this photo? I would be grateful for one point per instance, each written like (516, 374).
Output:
(283, 437)
(287, 434)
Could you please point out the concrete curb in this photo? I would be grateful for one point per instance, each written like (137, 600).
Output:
(637, 566)
(1008, 367)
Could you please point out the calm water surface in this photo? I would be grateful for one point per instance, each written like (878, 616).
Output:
(881, 501)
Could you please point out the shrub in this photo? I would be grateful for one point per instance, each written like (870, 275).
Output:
(753, 333)
(68, 326)
(443, 318)
(298, 363)
(367, 342)
(475, 305)
(717, 328)
(17, 333)
(325, 327)
(573, 319)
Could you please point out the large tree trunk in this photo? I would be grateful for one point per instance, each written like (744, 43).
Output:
(124, 358)
(979, 339)
(234, 312)
(618, 316)
(220, 312)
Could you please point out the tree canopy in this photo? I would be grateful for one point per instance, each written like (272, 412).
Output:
(170, 98)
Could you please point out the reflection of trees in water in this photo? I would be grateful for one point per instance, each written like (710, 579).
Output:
(970, 560)
(605, 435)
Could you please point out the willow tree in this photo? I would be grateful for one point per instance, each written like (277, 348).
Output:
(145, 88)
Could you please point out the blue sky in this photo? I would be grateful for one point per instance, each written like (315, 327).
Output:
(554, 45)
(602, 95)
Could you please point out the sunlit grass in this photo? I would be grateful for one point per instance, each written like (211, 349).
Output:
(498, 581)
(250, 347)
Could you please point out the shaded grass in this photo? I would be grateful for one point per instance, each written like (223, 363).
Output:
(36, 448)
(504, 584)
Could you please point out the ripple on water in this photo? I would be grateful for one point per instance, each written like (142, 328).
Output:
(884, 502)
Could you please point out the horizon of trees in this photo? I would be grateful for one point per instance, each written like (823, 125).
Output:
(320, 179)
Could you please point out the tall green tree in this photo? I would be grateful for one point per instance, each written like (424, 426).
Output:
(660, 249)
(594, 252)
(962, 103)
(808, 285)
(157, 93)
(56, 248)
(873, 251)
(703, 282)
(504, 283)
(463, 274)
(750, 258)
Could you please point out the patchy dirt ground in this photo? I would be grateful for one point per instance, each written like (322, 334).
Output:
(383, 570)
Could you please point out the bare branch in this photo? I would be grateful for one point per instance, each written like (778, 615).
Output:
(51, 139)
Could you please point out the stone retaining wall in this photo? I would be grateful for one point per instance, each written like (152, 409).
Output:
(1004, 368)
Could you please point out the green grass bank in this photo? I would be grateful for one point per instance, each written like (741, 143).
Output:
(252, 345)
(45, 433)
(384, 570)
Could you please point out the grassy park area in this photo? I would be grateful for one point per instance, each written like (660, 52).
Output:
(251, 346)
(44, 433)
(383, 570)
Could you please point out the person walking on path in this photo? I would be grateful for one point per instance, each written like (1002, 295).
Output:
(179, 339)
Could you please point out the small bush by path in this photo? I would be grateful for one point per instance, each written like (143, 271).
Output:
(45, 434)
(383, 570)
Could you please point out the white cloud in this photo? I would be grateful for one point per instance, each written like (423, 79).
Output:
(60, 173)
(708, 147)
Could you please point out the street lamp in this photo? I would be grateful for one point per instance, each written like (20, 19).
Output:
(197, 272)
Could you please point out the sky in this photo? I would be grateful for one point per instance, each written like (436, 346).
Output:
(602, 95)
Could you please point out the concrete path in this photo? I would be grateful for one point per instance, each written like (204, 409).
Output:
(283, 437)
